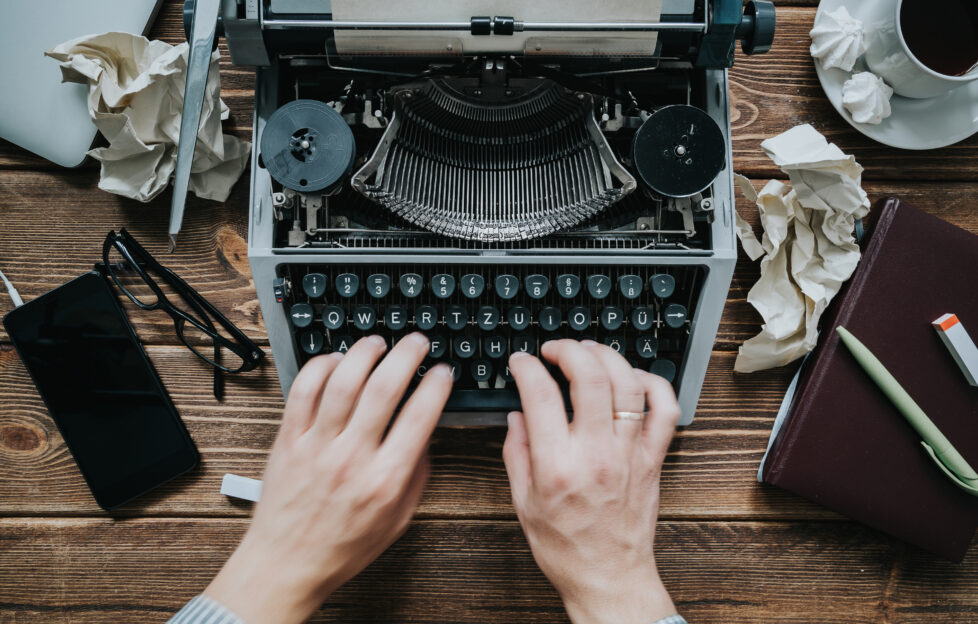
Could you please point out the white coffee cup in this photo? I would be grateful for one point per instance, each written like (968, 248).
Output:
(889, 57)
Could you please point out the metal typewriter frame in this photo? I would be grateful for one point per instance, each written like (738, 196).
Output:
(718, 262)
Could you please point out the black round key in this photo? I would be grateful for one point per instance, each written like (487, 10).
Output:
(456, 369)
(536, 285)
(341, 344)
(437, 346)
(522, 343)
(301, 314)
(481, 370)
(365, 317)
(494, 346)
(378, 285)
(579, 318)
(616, 343)
(664, 368)
(612, 317)
(347, 284)
(426, 317)
(411, 285)
(518, 318)
(642, 318)
(333, 317)
(568, 285)
(395, 317)
(311, 341)
(675, 315)
(443, 285)
(646, 346)
(630, 286)
(465, 346)
(507, 286)
(314, 285)
(663, 285)
(598, 286)
(549, 318)
(488, 318)
(456, 317)
(506, 374)
(473, 285)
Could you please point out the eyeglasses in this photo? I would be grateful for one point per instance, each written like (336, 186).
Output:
(198, 326)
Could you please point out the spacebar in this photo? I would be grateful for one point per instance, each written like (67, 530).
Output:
(490, 400)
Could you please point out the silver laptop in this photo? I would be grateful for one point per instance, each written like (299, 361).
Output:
(37, 111)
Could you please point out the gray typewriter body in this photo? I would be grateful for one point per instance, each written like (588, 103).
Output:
(692, 239)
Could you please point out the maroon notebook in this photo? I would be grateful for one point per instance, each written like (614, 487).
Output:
(843, 444)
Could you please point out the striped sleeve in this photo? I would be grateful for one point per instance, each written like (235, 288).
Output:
(204, 610)
(672, 619)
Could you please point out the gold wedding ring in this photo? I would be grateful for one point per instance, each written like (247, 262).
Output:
(629, 416)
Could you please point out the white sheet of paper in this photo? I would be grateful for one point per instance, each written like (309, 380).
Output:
(587, 42)
(808, 249)
(135, 98)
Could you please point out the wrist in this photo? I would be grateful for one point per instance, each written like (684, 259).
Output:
(637, 598)
(260, 588)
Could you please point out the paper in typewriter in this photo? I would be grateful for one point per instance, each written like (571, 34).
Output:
(544, 43)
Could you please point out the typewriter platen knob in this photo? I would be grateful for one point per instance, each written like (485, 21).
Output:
(756, 30)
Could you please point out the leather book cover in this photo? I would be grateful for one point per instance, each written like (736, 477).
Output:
(844, 445)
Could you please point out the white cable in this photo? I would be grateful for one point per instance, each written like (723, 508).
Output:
(14, 295)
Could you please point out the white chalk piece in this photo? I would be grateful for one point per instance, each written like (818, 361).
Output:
(960, 344)
(241, 487)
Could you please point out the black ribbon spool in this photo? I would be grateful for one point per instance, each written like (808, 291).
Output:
(307, 146)
(678, 151)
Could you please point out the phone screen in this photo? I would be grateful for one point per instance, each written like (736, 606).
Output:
(101, 389)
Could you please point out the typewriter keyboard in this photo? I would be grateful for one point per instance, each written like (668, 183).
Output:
(476, 315)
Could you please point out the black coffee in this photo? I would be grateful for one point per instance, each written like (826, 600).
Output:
(942, 34)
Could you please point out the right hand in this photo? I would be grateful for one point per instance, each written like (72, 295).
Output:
(587, 492)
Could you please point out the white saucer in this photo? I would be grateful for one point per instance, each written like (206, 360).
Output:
(914, 124)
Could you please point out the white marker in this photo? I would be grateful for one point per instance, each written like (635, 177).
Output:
(960, 344)
(241, 487)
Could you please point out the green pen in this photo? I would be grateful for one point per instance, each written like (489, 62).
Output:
(940, 449)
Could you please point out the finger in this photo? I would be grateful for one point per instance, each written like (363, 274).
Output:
(590, 387)
(386, 387)
(344, 385)
(543, 407)
(408, 438)
(662, 416)
(305, 395)
(627, 392)
(516, 457)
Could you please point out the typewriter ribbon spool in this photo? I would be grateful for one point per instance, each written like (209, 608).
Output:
(678, 151)
(307, 146)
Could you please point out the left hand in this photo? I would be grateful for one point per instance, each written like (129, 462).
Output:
(337, 492)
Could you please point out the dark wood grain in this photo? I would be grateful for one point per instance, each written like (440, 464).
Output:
(730, 550)
(708, 474)
(142, 570)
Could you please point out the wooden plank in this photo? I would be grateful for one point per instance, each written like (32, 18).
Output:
(708, 474)
(775, 91)
(52, 226)
(769, 94)
(97, 570)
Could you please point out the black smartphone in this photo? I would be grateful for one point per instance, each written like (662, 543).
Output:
(101, 389)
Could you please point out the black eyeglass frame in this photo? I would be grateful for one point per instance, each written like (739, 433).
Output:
(137, 258)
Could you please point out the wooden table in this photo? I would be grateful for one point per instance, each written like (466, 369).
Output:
(729, 549)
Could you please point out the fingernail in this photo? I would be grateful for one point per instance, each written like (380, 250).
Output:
(517, 354)
(510, 419)
(419, 338)
(442, 369)
(378, 341)
(588, 343)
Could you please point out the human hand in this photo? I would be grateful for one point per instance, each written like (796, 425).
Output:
(587, 492)
(336, 492)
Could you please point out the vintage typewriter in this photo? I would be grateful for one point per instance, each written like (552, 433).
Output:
(494, 174)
